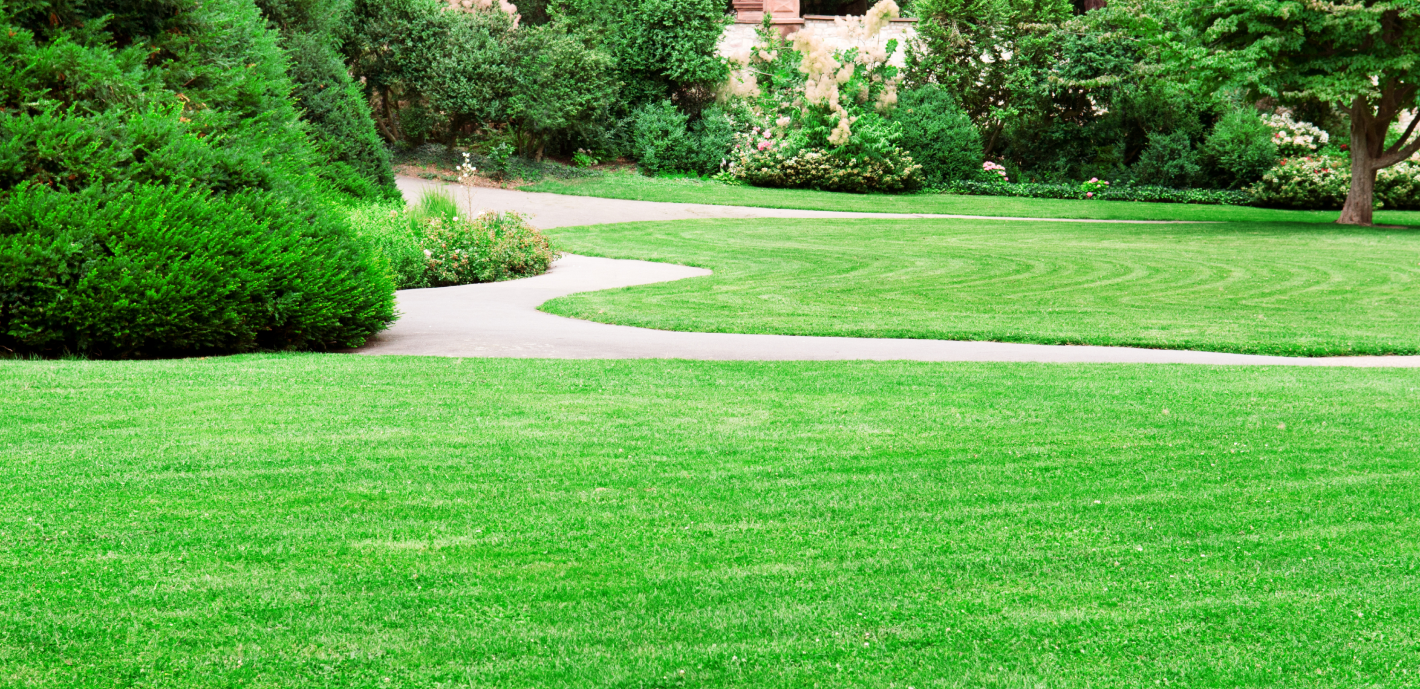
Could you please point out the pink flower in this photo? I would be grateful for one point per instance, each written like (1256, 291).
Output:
(1094, 179)
(1089, 194)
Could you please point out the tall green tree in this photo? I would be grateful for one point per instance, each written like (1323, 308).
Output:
(330, 101)
(987, 54)
(1361, 55)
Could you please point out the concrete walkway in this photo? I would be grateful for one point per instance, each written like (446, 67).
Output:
(501, 319)
(560, 210)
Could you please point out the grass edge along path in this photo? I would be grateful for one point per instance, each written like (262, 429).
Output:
(1277, 289)
(635, 187)
(328, 520)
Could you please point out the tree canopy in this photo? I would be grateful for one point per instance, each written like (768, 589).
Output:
(1361, 55)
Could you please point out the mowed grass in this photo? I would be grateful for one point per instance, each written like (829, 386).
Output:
(1290, 289)
(343, 521)
(628, 185)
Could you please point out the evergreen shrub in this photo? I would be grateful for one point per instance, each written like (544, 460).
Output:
(664, 139)
(157, 189)
(938, 135)
(172, 270)
(1169, 161)
(1239, 150)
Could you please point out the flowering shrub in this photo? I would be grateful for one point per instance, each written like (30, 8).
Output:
(1094, 186)
(1321, 183)
(431, 245)
(818, 112)
(1295, 138)
(989, 168)
(1398, 186)
(820, 169)
(486, 248)
(1307, 182)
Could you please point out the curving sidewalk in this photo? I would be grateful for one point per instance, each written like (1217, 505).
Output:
(501, 319)
(561, 210)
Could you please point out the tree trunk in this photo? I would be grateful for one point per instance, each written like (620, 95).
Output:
(1360, 200)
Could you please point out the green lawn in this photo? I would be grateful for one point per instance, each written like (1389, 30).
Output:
(1270, 288)
(625, 185)
(343, 521)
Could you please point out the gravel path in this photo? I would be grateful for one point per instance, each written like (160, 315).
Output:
(501, 319)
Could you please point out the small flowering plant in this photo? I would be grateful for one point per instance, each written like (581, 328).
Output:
(989, 168)
(584, 158)
(1094, 186)
(465, 169)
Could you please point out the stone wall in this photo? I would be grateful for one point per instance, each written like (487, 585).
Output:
(739, 38)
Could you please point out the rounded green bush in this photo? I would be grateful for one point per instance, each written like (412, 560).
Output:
(159, 195)
(165, 270)
(1239, 150)
(938, 135)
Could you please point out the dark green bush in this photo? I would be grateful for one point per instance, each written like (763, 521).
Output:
(1168, 161)
(938, 135)
(158, 191)
(169, 270)
(666, 47)
(1239, 150)
(713, 135)
(660, 138)
(663, 139)
(338, 113)
(560, 88)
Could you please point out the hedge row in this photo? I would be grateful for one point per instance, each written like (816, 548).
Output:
(1147, 194)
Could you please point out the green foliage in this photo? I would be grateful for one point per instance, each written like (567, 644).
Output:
(485, 248)
(168, 270)
(1360, 55)
(560, 88)
(459, 70)
(338, 113)
(813, 114)
(809, 168)
(434, 244)
(938, 135)
(1239, 150)
(1168, 161)
(394, 234)
(435, 205)
(663, 139)
(988, 54)
(1322, 183)
(196, 126)
(660, 139)
(1304, 183)
(1059, 97)
(665, 47)
(1398, 187)
(1102, 192)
